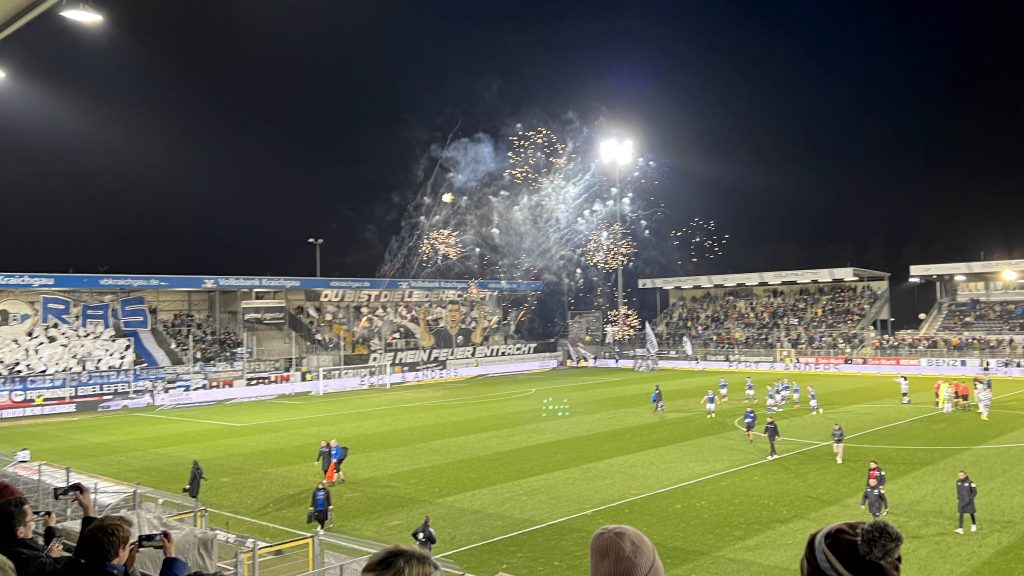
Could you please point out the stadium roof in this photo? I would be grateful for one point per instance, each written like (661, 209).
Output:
(755, 278)
(16, 13)
(988, 267)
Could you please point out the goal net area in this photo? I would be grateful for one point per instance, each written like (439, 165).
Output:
(338, 378)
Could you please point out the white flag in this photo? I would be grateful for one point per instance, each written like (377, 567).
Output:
(587, 355)
(687, 346)
(572, 352)
(649, 340)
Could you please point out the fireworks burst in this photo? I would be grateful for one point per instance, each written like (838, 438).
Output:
(623, 323)
(535, 154)
(609, 247)
(441, 244)
(703, 239)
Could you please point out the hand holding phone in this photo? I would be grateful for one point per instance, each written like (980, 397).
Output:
(55, 548)
(151, 541)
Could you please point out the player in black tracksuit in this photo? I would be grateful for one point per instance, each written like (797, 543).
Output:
(324, 456)
(425, 536)
(874, 495)
(771, 431)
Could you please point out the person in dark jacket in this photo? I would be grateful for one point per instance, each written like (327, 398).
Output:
(324, 456)
(194, 477)
(17, 539)
(424, 535)
(875, 472)
(106, 549)
(875, 498)
(966, 490)
(320, 505)
(771, 431)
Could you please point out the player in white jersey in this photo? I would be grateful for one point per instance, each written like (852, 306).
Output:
(984, 399)
(904, 389)
(813, 394)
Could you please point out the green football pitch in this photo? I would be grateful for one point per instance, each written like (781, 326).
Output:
(518, 471)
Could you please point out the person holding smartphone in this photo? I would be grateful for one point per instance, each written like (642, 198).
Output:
(17, 534)
(106, 549)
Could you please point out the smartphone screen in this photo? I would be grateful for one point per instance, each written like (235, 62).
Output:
(65, 493)
(151, 541)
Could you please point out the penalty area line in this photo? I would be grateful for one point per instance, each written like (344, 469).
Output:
(663, 490)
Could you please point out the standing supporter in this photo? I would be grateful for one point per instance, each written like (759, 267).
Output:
(17, 538)
(106, 549)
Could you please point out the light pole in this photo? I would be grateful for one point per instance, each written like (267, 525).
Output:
(316, 242)
(621, 153)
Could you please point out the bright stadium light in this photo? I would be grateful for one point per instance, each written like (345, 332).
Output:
(851, 279)
(619, 152)
(959, 277)
(82, 13)
(2, 74)
(1009, 275)
(915, 279)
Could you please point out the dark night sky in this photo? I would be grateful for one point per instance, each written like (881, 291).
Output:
(209, 137)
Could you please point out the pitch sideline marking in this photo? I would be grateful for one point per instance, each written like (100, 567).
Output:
(666, 489)
(184, 419)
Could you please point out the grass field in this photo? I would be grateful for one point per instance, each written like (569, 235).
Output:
(515, 490)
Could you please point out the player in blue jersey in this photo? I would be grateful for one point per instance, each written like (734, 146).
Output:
(749, 420)
(723, 389)
(769, 402)
(796, 394)
(814, 400)
(785, 391)
(709, 403)
(749, 395)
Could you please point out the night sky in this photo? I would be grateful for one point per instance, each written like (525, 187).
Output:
(214, 137)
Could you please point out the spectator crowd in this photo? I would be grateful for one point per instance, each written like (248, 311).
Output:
(802, 318)
(59, 348)
(209, 345)
(984, 316)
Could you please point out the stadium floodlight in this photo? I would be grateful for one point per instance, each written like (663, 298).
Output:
(1009, 275)
(619, 152)
(804, 281)
(707, 285)
(959, 277)
(82, 13)
(752, 283)
(914, 279)
(851, 279)
(316, 242)
(2, 74)
(687, 286)
(775, 282)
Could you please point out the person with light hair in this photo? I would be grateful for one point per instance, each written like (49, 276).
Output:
(401, 561)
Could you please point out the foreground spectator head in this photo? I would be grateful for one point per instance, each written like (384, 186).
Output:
(861, 548)
(106, 541)
(617, 550)
(8, 491)
(401, 561)
(15, 519)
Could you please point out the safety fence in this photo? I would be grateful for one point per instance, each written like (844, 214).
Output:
(234, 550)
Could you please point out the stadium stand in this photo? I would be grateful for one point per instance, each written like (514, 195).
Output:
(59, 348)
(983, 316)
(208, 344)
(781, 316)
